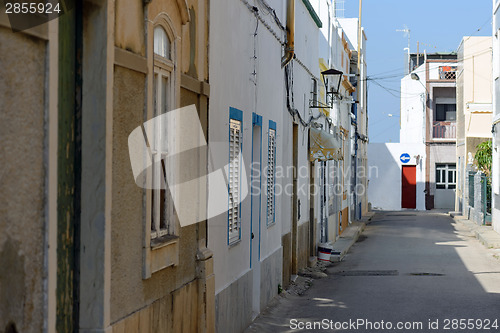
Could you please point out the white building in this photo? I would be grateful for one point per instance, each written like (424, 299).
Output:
(495, 186)
(260, 113)
(336, 204)
(423, 163)
(397, 176)
(428, 116)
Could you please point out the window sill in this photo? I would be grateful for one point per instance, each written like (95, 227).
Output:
(163, 241)
(271, 224)
(234, 243)
(164, 252)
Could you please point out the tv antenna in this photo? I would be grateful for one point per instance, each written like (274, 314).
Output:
(406, 34)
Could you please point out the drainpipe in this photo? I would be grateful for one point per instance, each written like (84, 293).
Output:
(290, 34)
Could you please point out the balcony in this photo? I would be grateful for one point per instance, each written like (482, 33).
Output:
(444, 130)
(448, 73)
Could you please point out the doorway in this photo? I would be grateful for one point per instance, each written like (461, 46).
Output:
(256, 208)
(409, 187)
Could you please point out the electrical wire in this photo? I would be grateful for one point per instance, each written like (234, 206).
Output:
(290, 100)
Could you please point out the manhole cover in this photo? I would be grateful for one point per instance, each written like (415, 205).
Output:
(366, 273)
(426, 274)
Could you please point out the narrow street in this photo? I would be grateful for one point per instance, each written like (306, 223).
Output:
(407, 267)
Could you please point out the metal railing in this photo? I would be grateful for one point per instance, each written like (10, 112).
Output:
(486, 198)
(444, 130)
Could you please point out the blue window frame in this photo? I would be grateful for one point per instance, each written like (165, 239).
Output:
(271, 173)
(234, 176)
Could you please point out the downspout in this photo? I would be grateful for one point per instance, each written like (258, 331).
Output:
(290, 34)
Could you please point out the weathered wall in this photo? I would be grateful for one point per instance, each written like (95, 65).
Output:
(286, 243)
(127, 212)
(129, 291)
(166, 314)
(129, 26)
(22, 105)
(303, 252)
(271, 275)
(229, 316)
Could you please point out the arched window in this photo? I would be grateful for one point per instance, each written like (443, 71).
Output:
(162, 44)
(164, 100)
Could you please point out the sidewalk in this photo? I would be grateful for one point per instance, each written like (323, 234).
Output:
(484, 233)
(270, 319)
(349, 237)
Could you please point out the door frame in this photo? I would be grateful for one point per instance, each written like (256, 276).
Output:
(255, 198)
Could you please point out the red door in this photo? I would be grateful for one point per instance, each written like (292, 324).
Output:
(409, 186)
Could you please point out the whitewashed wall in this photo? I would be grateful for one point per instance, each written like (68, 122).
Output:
(413, 98)
(232, 28)
(384, 174)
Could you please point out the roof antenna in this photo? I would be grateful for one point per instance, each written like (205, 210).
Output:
(406, 34)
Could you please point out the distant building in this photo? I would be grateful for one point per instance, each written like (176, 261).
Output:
(420, 170)
(428, 116)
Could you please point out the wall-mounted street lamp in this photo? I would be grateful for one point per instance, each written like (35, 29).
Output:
(335, 77)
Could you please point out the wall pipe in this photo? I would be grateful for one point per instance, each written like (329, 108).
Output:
(290, 34)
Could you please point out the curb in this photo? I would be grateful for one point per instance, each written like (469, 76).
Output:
(347, 239)
(485, 234)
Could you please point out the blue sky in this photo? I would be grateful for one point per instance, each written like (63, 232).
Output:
(438, 25)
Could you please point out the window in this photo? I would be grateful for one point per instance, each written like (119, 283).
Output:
(234, 177)
(161, 43)
(162, 213)
(446, 176)
(271, 173)
(446, 112)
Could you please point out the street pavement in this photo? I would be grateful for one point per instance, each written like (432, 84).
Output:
(408, 272)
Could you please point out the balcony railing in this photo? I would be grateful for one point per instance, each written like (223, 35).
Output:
(444, 130)
(448, 73)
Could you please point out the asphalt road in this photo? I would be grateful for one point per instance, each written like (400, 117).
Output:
(419, 270)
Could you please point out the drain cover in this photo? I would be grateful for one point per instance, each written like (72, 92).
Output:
(366, 273)
(426, 274)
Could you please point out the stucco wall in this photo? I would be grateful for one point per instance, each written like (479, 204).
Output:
(271, 274)
(229, 316)
(413, 99)
(384, 173)
(22, 105)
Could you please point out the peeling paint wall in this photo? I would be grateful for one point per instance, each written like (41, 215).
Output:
(22, 104)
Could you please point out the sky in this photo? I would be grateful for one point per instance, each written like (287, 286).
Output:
(438, 25)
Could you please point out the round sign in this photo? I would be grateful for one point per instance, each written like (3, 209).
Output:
(405, 157)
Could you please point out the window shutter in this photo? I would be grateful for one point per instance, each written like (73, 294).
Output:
(235, 139)
(271, 166)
